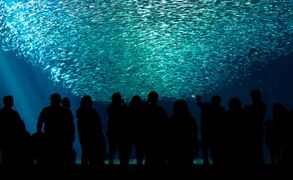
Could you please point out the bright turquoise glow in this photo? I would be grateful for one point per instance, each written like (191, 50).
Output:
(179, 48)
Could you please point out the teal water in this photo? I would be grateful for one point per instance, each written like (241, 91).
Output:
(179, 48)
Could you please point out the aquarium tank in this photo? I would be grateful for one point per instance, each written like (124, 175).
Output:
(179, 48)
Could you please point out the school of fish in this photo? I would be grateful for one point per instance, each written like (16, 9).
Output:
(180, 48)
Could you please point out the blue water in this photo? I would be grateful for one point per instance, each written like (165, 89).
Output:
(179, 48)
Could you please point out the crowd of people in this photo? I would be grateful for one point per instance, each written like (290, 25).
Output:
(233, 136)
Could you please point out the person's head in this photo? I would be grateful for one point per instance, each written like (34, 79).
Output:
(153, 97)
(55, 99)
(235, 104)
(86, 101)
(279, 110)
(8, 101)
(135, 100)
(255, 95)
(116, 98)
(180, 107)
(216, 100)
(66, 102)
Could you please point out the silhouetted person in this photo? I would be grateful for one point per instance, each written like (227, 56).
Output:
(117, 130)
(280, 118)
(38, 148)
(137, 127)
(212, 114)
(14, 139)
(288, 144)
(255, 113)
(58, 133)
(235, 139)
(182, 137)
(91, 136)
(156, 136)
(71, 127)
(271, 141)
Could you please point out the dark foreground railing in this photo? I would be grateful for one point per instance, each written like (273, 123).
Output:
(132, 172)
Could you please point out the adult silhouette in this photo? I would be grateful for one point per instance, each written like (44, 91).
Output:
(212, 114)
(235, 140)
(255, 113)
(91, 136)
(137, 127)
(156, 134)
(14, 139)
(117, 130)
(279, 129)
(182, 137)
(271, 141)
(55, 122)
(66, 103)
(288, 144)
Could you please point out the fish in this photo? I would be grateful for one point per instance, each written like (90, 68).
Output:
(178, 48)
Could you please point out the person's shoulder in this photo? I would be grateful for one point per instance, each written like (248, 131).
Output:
(67, 110)
(110, 107)
(222, 108)
(82, 110)
(3, 110)
(93, 110)
(10, 111)
(160, 107)
(47, 110)
(14, 111)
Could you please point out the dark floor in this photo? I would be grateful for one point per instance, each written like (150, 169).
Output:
(132, 172)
